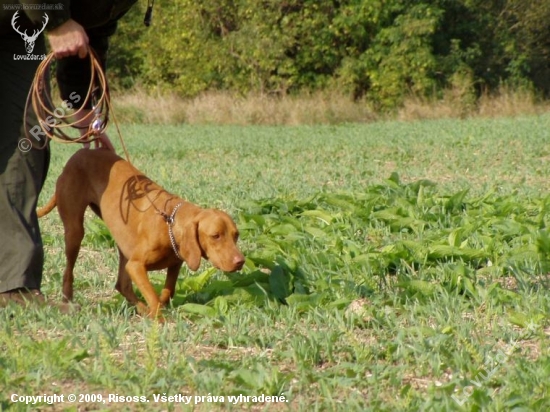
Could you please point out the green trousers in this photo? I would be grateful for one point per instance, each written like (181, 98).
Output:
(22, 173)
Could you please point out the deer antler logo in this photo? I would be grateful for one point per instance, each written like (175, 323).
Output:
(29, 40)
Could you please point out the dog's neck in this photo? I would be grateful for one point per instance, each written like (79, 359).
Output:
(186, 208)
(175, 206)
(189, 209)
(170, 219)
(171, 202)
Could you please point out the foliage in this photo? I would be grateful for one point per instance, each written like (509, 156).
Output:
(381, 50)
(405, 235)
(363, 289)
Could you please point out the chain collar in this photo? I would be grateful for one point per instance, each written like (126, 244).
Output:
(170, 221)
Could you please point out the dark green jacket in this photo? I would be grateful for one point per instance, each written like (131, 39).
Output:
(98, 17)
(89, 13)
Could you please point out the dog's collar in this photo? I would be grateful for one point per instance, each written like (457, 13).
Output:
(170, 221)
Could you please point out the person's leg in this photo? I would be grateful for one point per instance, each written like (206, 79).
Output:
(22, 173)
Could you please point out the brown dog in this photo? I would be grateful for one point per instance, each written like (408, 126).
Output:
(152, 228)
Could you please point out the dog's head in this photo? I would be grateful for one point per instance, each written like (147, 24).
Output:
(213, 235)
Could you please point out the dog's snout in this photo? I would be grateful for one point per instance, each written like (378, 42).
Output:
(238, 261)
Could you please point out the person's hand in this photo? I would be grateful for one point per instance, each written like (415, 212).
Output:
(69, 39)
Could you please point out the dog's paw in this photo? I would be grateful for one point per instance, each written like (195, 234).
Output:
(142, 309)
(165, 297)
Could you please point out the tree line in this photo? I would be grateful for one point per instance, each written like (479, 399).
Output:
(377, 50)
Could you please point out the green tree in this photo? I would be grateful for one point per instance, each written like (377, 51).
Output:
(381, 50)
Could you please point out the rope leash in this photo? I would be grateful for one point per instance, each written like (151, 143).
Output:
(54, 122)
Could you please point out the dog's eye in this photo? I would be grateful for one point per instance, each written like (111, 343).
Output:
(216, 236)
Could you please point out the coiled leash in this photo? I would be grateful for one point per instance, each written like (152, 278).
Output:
(55, 121)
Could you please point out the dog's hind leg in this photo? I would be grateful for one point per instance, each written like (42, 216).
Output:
(74, 233)
(124, 285)
(71, 207)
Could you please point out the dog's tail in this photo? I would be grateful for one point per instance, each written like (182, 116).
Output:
(47, 208)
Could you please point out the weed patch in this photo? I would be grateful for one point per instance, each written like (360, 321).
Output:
(389, 266)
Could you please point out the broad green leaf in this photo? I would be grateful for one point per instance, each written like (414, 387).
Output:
(258, 290)
(251, 206)
(386, 214)
(523, 254)
(365, 258)
(341, 202)
(418, 286)
(469, 287)
(279, 282)
(456, 201)
(323, 216)
(283, 229)
(454, 237)
(518, 319)
(526, 321)
(420, 196)
(265, 256)
(448, 252)
(197, 309)
(77, 356)
(196, 283)
(543, 243)
(257, 219)
(315, 232)
(246, 279)
(297, 223)
(220, 304)
(248, 226)
(341, 303)
(394, 177)
(351, 248)
(247, 377)
(261, 261)
(217, 287)
(303, 302)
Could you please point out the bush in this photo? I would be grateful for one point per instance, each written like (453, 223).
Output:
(380, 50)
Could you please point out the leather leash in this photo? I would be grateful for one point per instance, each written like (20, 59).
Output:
(54, 121)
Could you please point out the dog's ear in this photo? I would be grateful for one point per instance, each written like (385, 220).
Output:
(189, 245)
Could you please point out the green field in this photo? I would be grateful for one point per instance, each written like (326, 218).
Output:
(390, 266)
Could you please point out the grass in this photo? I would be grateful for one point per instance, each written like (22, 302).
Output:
(323, 107)
(226, 108)
(390, 266)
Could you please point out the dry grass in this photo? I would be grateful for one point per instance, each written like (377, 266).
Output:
(139, 106)
(224, 108)
(504, 103)
(510, 103)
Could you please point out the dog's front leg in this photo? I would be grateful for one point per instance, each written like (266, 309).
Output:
(170, 284)
(124, 286)
(138, 273)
